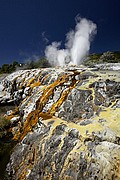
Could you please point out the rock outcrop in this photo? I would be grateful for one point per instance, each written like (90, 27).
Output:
(66, 123)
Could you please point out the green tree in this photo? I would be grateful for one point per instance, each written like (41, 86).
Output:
(5, 68)
(15, 63)
(108, 57)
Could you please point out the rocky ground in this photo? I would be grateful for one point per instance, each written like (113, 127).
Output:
(66, 123)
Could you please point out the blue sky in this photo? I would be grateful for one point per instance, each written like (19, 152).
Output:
(27, 25)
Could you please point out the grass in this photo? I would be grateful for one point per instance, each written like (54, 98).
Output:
(6, 143)
(4, 123)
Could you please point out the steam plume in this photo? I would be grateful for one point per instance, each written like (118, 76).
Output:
(77, 44)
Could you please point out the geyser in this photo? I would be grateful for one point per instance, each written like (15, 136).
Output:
(77, 44)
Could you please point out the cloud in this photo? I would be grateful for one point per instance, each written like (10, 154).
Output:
(45, 39)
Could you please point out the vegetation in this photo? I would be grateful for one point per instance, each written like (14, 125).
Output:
(6, 143)
(107, 57)
(40, 63)
(9, 68)
(4, 123)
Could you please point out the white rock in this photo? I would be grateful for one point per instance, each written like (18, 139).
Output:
(9, 112)
(1, 87)
(23, 96)
(2, 93)
(14, 119)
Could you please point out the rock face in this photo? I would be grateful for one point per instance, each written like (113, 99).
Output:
(67, 123)
(108, 66)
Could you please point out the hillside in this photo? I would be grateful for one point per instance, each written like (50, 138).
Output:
(90, 60)
(66, 123)
(106, 57)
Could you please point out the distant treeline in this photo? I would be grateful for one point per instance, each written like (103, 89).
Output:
(9, 68)
(106, 57)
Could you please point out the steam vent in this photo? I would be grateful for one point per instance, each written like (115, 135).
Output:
(66, 124)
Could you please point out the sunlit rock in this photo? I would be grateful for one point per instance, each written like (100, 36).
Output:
(66, 123)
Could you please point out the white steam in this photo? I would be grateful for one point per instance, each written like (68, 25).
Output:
(77, 44)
